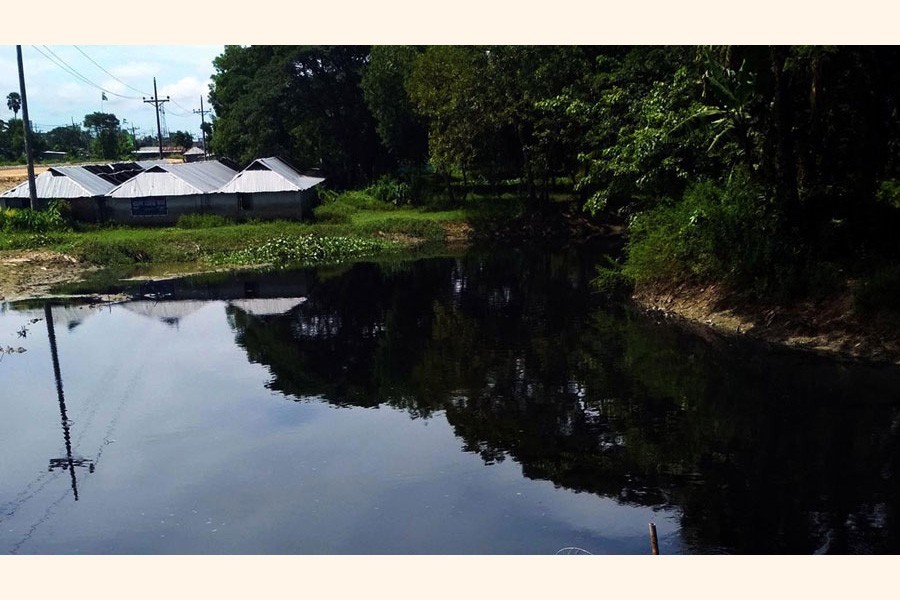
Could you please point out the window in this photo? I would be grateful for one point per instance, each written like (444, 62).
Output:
(245, 201)
(149, 207)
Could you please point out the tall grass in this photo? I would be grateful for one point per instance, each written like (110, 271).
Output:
(25, 220)
(717, 233)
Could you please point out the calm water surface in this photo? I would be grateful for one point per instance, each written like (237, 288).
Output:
(478, 404)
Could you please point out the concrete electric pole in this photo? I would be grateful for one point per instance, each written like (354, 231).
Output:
(32, 191)
(156, 102)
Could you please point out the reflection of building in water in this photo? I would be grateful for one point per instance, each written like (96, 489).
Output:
(168, 311)
(257, 294)
(70, 315)
(261, 307)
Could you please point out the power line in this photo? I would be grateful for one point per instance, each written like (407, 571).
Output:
(108, 73)
(74, 72)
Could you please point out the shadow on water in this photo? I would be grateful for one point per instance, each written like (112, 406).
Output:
(760, 450)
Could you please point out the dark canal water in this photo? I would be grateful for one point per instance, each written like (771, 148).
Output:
(487, 403)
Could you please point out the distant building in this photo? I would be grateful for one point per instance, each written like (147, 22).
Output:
(158, 192)
(145, 152)
(194, 154)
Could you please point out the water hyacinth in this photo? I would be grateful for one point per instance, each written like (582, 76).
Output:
(306, 249)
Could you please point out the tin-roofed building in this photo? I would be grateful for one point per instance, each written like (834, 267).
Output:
(270, 187)
(83, 187)
(163, 192)
(194, 154)
(158, 192)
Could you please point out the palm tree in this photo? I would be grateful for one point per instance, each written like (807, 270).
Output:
(14, 103)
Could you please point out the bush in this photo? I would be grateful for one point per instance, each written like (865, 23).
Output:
(362, 201)
(340, 208)
(889, 193)
(389, 190)
(334, 212)
(612, 283)
(201, 221)
(730, 234)
(54, 218)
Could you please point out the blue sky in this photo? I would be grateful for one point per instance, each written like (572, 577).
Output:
(55, 96)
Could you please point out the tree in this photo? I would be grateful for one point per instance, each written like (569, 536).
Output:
(14, 103)
(301, 102)
(181, 139)
(104, 128)
(401, 130)
(72, 139)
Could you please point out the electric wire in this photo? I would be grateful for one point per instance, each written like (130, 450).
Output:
(108, 73)
(59, 62)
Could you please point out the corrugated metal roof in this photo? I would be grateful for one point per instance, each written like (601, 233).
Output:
(94, 184)
(63, 182)
(175, 180)
(146, 164)
(193, 151)
(269, 175)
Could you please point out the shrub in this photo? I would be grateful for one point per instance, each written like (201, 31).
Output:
(201, 221)
(362, 201)
(612, 283)
(889, 193)
(339, 209)
(334, 212)
(729, 234)
(389, 190)
(54, 218)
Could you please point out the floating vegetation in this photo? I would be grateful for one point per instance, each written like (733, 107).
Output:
(10, 350)
(305, 249)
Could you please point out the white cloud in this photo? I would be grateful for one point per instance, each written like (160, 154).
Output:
(136, 73)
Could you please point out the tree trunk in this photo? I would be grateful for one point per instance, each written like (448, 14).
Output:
(785, 164)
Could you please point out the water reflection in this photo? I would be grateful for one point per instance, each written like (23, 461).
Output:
(68, 462)
(753, 449)
(762, 451)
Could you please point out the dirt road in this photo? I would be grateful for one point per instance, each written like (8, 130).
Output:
(10, 177)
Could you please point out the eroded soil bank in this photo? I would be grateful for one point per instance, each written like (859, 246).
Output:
(829, 325)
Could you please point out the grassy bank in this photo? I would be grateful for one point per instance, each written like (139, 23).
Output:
(240, 244)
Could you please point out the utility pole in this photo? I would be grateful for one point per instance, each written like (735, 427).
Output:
(32, 191)
(156, 102)
(203, 126)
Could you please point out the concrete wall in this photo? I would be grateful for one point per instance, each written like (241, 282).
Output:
(263, 205)
(42, 203)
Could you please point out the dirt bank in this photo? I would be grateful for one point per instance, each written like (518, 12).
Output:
(31, 273)
(827, 326)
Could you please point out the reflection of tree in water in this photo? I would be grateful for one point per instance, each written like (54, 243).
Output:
(761, 451)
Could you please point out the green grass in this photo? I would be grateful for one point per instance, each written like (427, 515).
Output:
(217, 243)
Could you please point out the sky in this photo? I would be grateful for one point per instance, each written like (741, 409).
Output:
(56, 96)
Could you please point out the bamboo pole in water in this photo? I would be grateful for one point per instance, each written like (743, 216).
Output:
(654, 542)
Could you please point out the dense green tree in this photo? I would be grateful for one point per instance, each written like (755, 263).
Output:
(104, 128)
(301, 102)
(181, 139)
(73, 139)
(384, 84)
(12, 141)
